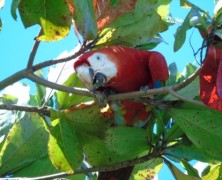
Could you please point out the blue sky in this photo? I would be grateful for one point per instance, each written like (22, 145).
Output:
(16, 43)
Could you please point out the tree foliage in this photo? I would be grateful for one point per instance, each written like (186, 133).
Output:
(62, 131)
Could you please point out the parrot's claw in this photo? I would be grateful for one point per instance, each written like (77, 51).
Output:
(101, 99)
(144, 88)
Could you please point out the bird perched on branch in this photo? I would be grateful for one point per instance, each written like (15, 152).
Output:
(123, 69)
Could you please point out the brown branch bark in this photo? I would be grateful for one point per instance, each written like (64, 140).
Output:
(41, 110)
(33, 52)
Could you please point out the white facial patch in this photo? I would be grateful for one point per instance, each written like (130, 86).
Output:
(99, 62)
(84, 76)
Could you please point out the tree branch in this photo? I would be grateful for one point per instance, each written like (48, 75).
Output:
(41, 110)
(150, 92)
(33, 52)
(195, 102)
(12, 79)
(59, 87)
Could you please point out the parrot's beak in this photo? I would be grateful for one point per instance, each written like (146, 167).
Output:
(86, 75)
(99, 80)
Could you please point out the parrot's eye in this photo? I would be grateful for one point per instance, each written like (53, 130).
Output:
(97, 57)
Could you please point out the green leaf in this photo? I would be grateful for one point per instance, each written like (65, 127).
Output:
(25, 143)
(135, 28)
(9, 99)
(183, 3)
(97, 154)
(40, 167)
(189, 91)
(14, 6)
(65, 100)
(147, 169)
(85, 19)
(123, 140)
(64, 150)
(181, 31)
(53, 16)
(217, 8)
(177, 173)
(214, 173)
(163, 8)
(190, 169)
(190, 69)
(201, 125)
(174, 133)
(189, 152)
(88, 118)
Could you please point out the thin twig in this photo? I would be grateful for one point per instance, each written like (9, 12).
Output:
(183, 98)
(43, 110)
(33, 52)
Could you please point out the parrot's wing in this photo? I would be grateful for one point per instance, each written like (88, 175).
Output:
(158, 68)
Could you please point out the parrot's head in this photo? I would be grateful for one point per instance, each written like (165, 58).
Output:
(95, 69)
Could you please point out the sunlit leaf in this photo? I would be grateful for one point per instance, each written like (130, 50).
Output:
(214, 173)
(25, 143)
(123, 140)
(148, 169)
(88, 118)
(202, 126)
(217, 7)
(133, 29)
(52, 15)
(108, 11)
(85, 19)
(163, 8)
(64, 150)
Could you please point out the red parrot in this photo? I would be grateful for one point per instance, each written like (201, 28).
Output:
(211, 78)
(122, 69)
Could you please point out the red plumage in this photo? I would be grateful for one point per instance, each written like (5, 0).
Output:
(136, 68)
(211, 78)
